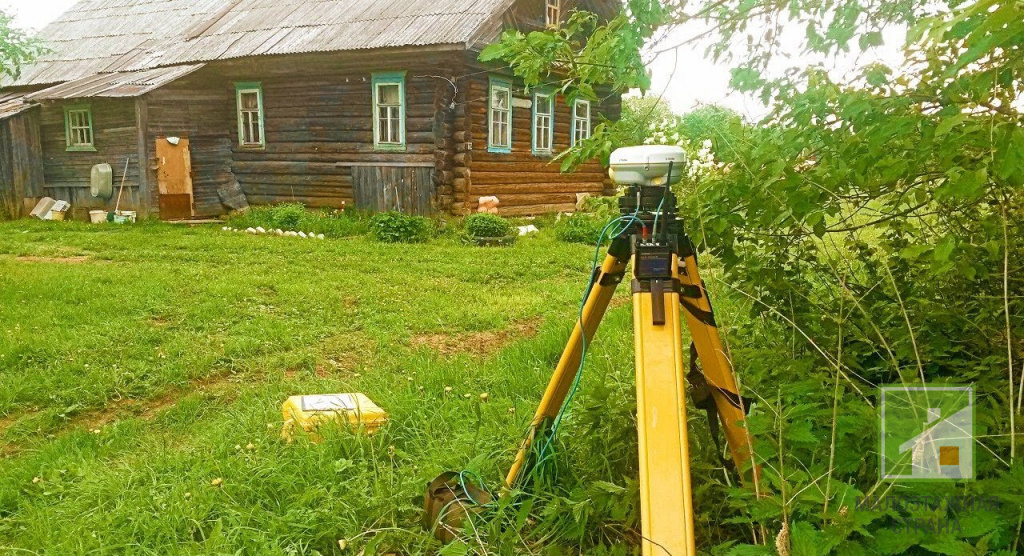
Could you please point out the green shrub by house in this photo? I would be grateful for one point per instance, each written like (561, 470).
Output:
(580, 227)
(395, 227)
(484, 225)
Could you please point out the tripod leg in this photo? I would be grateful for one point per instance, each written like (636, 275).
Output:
(700, 319)
(666, 499)
(600, 295)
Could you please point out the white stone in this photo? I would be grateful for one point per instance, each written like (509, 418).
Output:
(321, 236)
(260, 230)
(302, 235)
(251, 231)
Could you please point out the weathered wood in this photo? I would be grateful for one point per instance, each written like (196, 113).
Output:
(383, 188)
(142, 130)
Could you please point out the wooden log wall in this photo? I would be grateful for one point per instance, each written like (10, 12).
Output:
(319, 125)
(202, 108)
(67, 174)
(445, 104)
(526, 183)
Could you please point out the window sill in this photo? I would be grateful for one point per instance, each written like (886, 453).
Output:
(253, 147)
(82, 150)
(390, 148)
(500, 150)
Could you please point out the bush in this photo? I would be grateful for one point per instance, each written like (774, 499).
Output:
(288, 216)
(581, 227)
(483, 225)
(395, 227)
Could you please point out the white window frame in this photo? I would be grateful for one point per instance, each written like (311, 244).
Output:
(389, 79)
(499, 144)
(541, 118)
(581, 127)
(248, 118)
(552, 13)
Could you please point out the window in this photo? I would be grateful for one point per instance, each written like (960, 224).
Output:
(543, 122)
(500, 117)
(250, 115)
(78, 128)
(553, 13)
(580, 121)
(389, 111)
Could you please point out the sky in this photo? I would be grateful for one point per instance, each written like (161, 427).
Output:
(685, 78)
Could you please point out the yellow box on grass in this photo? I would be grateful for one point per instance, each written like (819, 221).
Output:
(354, 412)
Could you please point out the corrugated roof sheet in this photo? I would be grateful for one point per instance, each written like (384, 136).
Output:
(114, 85)
(12, 105)
(105, 36)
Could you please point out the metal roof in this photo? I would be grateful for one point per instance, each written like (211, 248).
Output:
(107, 36)
(114, 85)
(12, 105)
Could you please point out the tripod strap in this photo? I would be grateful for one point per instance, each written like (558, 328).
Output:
(702, 398)
(701, 392)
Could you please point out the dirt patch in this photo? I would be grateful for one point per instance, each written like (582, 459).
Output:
(7, 421)
(80, 259)
(479, 344)
(149, 409)
(97, 419)
(620, 301)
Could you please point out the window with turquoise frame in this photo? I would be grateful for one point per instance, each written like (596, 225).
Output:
(499, 116)
(78, 128)
(580, 121)
(249, 98)
(543, 121)
(389, 111)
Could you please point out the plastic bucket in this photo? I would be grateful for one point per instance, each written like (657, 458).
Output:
(97, 216)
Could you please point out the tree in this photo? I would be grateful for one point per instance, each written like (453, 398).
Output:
(871, 224)
(710, 123)
(17, 48)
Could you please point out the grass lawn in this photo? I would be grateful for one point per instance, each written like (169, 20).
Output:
(140, 364)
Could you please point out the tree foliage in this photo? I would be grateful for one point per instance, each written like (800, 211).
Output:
(872, 225)
(17, 48)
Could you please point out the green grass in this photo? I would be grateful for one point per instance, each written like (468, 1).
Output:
(219, 329)
(180, 345)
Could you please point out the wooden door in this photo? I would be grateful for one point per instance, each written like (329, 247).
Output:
(174, 179)
(405, 189)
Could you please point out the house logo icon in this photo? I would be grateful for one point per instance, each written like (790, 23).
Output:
(927, 432)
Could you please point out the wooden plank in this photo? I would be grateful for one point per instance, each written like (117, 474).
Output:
(142, 127)
(391, 164)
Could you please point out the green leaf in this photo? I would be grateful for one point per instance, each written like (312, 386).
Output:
(950, 547)
(947, 124)
(944, 249)
(806, 540)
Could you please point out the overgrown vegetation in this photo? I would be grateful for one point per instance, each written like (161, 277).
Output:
(296, 217)
(873, 226)
(396, 227)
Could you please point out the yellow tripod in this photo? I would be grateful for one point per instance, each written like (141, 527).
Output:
(667, 288)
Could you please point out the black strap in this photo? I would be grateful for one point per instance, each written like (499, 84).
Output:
(706, 317)
(702, 398)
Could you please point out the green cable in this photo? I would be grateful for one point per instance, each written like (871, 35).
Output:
(628, 221)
